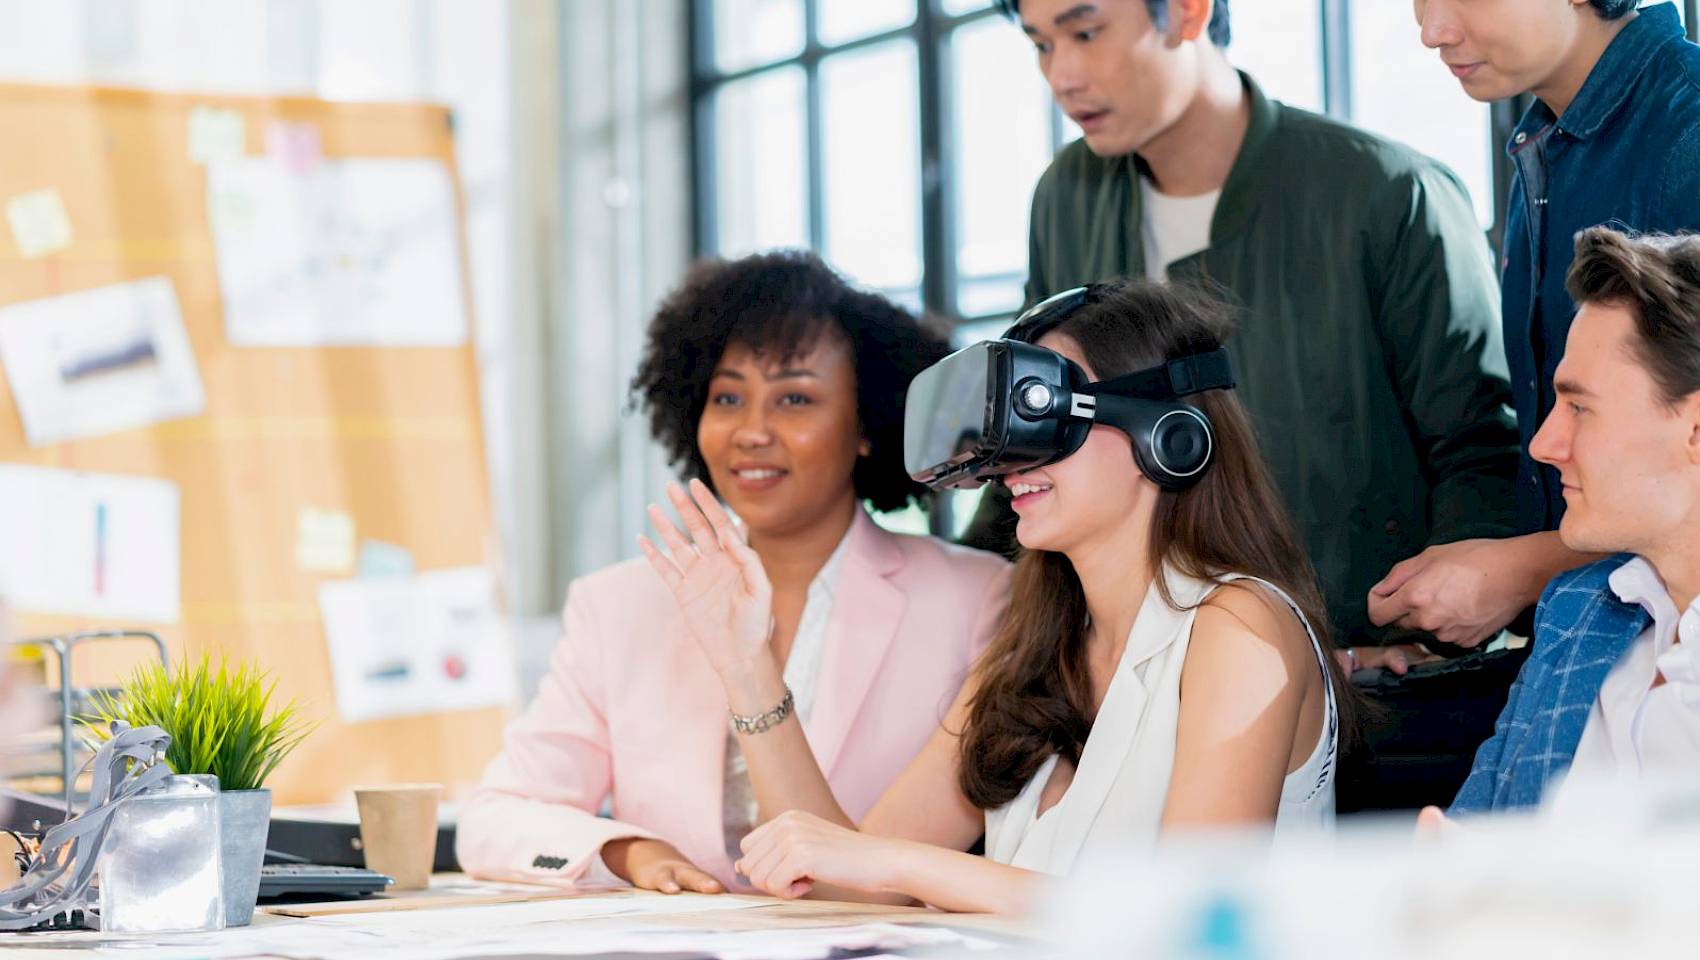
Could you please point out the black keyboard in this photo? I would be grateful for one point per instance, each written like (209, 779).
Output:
(312, 879)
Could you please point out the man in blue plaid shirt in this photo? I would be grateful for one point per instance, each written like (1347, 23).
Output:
(1612, 686)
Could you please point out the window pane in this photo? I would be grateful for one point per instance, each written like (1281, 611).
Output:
(1401, 90)
(760, 163)
(956, 7)
(1280, 43)
(871, 156)
(1002, 146)
(844, 20)
(752, 32)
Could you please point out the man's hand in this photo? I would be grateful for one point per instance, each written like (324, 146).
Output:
(1398, 658)
(1461, 593)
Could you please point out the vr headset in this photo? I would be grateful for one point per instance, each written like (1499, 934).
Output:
(1002, 406)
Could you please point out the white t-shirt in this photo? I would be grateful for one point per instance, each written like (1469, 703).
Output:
(1173, 228)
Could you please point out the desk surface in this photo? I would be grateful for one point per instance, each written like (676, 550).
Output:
(460, 918)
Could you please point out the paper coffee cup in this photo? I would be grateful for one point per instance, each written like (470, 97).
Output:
(398, 831)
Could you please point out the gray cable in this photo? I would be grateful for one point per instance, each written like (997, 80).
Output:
(127, 764)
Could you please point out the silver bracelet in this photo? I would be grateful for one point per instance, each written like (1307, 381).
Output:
(763, 722)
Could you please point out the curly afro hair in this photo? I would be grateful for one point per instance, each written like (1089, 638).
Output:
(778, 304)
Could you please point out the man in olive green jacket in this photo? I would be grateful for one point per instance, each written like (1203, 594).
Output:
(1368, 350)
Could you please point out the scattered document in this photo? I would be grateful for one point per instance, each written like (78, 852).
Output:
(89, 544)
(39, 222)
(216, 133)
(427, 643)
(360, 252)
(108, 359)
(324, 541)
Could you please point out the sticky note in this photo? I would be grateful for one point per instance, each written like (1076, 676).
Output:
(216, 133)
(39, 222)
(380, 559)
(295, 145)
(324, 541)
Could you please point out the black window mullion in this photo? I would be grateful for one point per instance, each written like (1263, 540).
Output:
(1337, 58)
(1691, 9)
(938, 228)
(705, 227)
(815, 126)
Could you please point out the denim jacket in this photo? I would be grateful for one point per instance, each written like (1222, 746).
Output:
(1626, 153)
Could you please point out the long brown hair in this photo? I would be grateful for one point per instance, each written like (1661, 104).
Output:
(1035, 694)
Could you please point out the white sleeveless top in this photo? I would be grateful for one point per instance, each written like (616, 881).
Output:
(1118, 792)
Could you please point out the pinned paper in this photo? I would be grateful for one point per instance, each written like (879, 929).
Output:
(89, 544)
(379, 559)
(356, 252)
(39, 222)
(99, 361)
(216, 133)
(295, 145)
(422, 644)
(324, 541)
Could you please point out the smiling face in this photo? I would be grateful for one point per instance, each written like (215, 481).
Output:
(1502, 48)
(781, 438)
(1096, 489)
(1627, 460)
(1112, 70)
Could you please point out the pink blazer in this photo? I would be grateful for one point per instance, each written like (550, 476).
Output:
(632, 711)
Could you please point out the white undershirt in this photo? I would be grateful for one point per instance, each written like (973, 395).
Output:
(1634, 728)
(1173, 228)
(802, 673)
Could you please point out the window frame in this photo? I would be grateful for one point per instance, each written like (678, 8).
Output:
(930, 32)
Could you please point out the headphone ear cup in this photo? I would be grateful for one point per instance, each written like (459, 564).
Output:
(1176, 447)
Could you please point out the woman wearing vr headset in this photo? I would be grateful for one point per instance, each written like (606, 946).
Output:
(1160, 666)
(777, 383)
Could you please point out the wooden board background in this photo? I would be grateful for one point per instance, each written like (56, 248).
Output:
(388, 435)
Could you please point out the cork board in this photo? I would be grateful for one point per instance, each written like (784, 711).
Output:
(389, 436)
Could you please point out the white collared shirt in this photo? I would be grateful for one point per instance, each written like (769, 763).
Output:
(802, 673)
(1634, 727)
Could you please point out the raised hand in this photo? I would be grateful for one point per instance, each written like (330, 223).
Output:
(716, 578)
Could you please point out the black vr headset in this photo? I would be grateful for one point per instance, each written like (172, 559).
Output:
(1002, 406)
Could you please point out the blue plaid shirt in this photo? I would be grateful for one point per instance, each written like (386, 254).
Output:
(1582, 628)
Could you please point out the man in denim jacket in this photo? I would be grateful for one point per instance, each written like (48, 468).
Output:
(1613, 137)
(1613, 684)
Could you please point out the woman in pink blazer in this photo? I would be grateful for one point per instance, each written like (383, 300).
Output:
(782, 388)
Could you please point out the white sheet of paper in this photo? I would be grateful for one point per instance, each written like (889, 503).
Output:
(216, 133)
(358, 252)
(427, 643)
(89, 544)
(102, 360)
(324, 541)
(39, 222)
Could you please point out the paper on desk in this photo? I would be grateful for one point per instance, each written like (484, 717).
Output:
(112, 358)
(89, 544)
(342, 253)
(427, 643)
(580, 927)
(39, 222)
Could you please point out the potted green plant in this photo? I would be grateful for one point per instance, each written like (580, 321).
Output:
(222, 723)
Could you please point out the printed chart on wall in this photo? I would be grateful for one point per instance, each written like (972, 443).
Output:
(341, 253)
